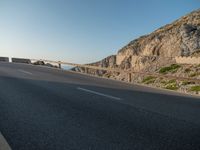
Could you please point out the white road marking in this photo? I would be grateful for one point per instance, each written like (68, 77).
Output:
(3, 143)
(100, 94)
(26, 72)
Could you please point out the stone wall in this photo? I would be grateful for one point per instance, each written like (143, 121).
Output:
(187, 60)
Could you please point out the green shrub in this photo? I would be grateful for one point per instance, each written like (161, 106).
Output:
(168, 81)
(163, 82)
(187, 70)
(194, 74)
(187, 82)
(195, 88)
(173, 68)
(172, 86)
(172, 81)
(149, 79)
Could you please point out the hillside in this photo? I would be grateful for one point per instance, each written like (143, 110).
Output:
(151, 52)
(180, 38)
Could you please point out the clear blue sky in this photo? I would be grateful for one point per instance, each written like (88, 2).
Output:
(81, 31)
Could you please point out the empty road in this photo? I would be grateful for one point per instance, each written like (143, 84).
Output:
(49, 109)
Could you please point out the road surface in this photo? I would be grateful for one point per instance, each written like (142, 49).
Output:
(49, 109)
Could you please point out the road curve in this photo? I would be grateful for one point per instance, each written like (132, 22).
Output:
(43, 108)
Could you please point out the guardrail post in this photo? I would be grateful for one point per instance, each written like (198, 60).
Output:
(59, 65)
(129, 77)
(86, 70)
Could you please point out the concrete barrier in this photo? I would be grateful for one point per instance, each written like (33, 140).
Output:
(21, 60)
(4, 59)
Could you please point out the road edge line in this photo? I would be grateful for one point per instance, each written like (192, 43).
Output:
(98, 93)
(3, 143)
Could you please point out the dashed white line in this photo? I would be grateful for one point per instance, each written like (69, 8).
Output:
(26, 72)
(100, 94)
(3, 143)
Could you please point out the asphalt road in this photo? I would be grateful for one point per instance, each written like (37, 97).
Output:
(49, 109)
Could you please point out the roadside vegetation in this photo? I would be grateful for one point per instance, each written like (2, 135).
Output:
(172, 85)
(172, 68)
(194, 74)
(187, 82)
(187, 70)
(186, 86)
(149, 80)
(195, 88)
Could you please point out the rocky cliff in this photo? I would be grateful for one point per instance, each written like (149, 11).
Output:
(150, 52)
(180, 38)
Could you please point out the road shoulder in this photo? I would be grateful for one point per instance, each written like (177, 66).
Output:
(3, 143)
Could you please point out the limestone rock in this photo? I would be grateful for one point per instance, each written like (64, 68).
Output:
(149, 52)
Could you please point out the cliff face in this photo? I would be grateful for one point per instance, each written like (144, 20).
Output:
(155, 53)
(180, 38)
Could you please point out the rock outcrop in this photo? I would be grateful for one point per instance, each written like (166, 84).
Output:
(149, 52)
(42, 63)
(181, 38)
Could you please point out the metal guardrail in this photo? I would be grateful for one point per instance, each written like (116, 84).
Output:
(128, 72)
(21, 60)
(4, 59)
